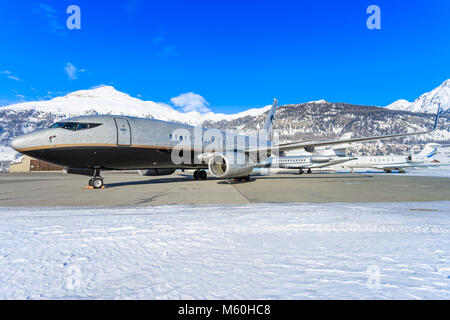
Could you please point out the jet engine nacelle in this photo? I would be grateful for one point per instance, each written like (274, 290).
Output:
(320, 159)
(156, 172)
(221, 166)
(310, 149)
(412, 159)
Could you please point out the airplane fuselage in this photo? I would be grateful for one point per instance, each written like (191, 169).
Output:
(302, 162)
(119, 142)
(385, 162)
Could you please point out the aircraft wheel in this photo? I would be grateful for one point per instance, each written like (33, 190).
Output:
(91, 182)
(196, 176)
(203, 175)
(97, 183)
(309, 171)
(301, 171)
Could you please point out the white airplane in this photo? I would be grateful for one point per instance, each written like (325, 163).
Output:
(398, 163)
(302, 162)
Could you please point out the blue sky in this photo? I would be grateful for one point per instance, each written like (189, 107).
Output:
(235, 54)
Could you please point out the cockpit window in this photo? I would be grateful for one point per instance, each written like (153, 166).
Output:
(75, 126)
(82, 126)
(70, 126)
(58, 125)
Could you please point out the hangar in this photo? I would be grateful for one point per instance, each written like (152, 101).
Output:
(28, 164)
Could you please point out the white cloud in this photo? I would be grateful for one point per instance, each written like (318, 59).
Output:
(10, 75)
(191, 102)
(72, 71)
(14, 78)
(52, 17)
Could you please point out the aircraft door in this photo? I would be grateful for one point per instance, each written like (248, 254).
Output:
(123, 132)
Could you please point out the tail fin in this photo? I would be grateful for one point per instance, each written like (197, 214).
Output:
(269, 121)
(429, 150)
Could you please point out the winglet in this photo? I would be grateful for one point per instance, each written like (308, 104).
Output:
(269, 121)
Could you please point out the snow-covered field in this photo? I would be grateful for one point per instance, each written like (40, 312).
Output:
(273, 251)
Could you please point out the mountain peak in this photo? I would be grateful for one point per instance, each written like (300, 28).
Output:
(96, 92)
(318, 101)
(445, 84)
(427, 102)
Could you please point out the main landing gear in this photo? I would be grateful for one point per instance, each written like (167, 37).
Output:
(96, 181)
(301, 171)
(242, 179)
(200, 175)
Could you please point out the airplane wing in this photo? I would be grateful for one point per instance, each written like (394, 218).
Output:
(330, 163)
(305, 144)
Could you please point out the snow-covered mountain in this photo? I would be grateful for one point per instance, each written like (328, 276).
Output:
(427, 102)
(7, 154)
(107, 100)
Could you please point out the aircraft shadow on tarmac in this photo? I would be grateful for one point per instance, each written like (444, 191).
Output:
(185, 178)
(325, 176)
(144, 182)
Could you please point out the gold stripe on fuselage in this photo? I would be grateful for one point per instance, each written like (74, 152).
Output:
(58, 146)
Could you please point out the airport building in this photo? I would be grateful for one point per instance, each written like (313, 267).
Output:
(28, 164)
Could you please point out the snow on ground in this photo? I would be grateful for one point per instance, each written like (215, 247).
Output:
(267, 251)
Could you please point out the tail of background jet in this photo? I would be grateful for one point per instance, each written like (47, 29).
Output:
(429, 150)
(269, 121)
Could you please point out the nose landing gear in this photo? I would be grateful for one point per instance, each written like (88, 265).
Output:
(96, 182)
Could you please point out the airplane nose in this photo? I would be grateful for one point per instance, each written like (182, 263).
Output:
(19, 143)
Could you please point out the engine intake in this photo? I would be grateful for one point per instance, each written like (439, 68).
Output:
(310, 149)
(221, 166)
